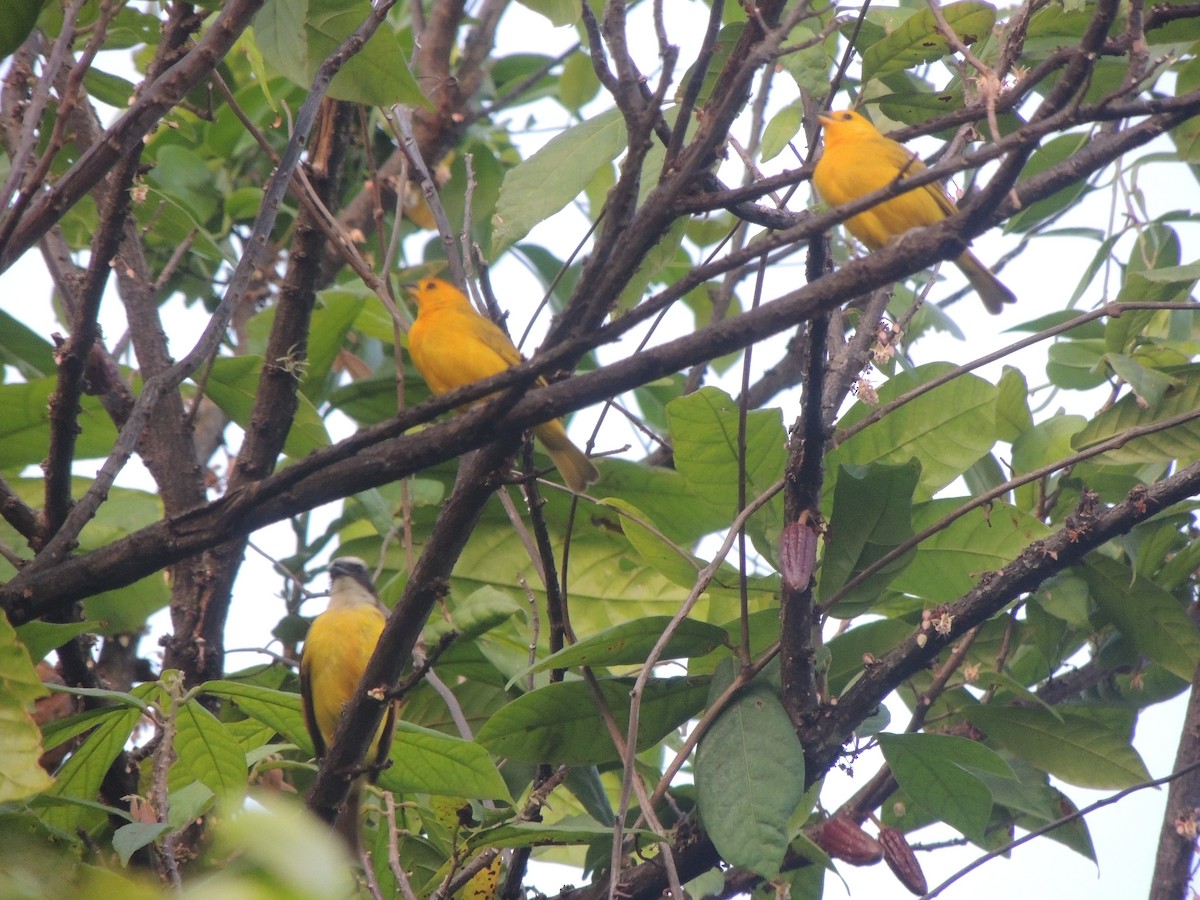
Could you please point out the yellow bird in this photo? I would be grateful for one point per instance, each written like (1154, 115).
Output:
(340, 642)
(452, 345)
(857, 161)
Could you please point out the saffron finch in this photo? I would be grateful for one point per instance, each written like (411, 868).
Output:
(452, 345)
(859, 160)
(340, 642)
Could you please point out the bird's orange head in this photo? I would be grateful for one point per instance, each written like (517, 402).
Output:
(846, 125)
(436, 293)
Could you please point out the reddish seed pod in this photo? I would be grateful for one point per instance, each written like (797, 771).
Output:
(845, 840)
(902, 861)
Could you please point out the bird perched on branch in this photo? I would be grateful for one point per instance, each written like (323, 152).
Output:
(340, 642)
(452, 345)
(857, 161)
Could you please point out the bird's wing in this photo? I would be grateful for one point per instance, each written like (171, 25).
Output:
(306, 696)
(908, 164)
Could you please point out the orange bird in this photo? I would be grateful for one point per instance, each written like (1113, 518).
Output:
(452, 345)
(857, 161)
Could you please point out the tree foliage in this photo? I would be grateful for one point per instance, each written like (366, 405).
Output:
(655, 678)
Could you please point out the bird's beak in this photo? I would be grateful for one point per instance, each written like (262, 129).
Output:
(824, 119)
(411, 288)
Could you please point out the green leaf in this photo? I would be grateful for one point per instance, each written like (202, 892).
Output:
(541, 185)
(704, 434)
(1013, 417)
(182, 174)
(946, 429)
(653, 546)
(16, 24)
(871, 516)
(749, 780)
(1179, 442)
(784, 126)
(938, 772)
(630, 643)
(82, 774)
(1078, 749)
(1046, 442)
(20, 739)
(296, 36)
(949, 564)
(1155, 621)
(918, 40)
(559, 12)
(1148, 385)
(850, 649)
(128, 839)
(25, 429)
(472, 616)
(1077, 364)
(578, 83)
(206, 752)
(430, 762)
(279, 710)
(23, 348)
(41, 637)
(559, 723)
(233, 383)
(1050, 153)
(331, 321)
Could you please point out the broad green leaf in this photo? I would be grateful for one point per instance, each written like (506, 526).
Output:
(726, 42)
(82, 774)
(331, 320)
(949, 564)
(871, 516)
(1179, 442)
(1148, 385)
(653, 546)
(946, 429)
(559, 12)
(430, 762)
(664, 497)
(918, 40)
(232, 384)
(1045, 442)
(17, 22)
(749, 779)
(277, 709)
(541, 185)
(1077, 364)
(296, 36)
(1155, 621)
(938, 772)
(784, 126)
(130, 838)
(578, 82)
(21, 347)
(182, 174)
(206, 752)
(1073, 747)
(630, 643)
(41, 637)
(20, 740)
(1050, 153)
(1013, 417)
(559, 723)
(704, 434)
(477, 614)
(25, 428)
(850, 650)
